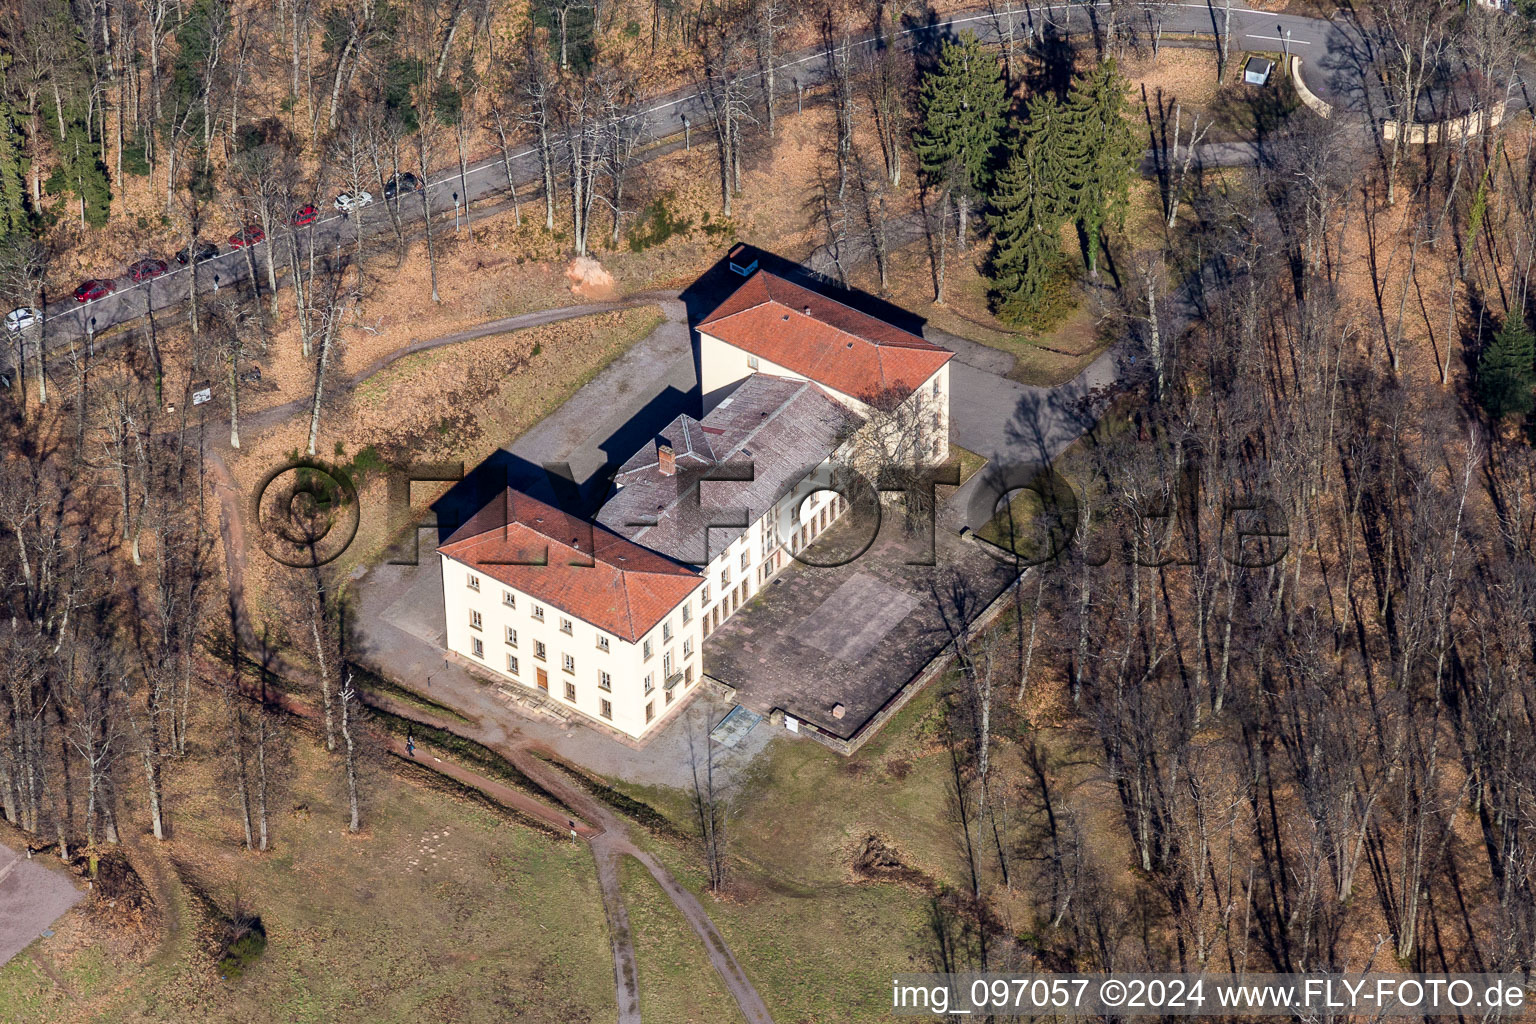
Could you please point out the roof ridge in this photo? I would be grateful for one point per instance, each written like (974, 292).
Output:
(921, 341)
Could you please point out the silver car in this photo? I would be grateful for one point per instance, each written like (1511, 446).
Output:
(18, 320)
(349, 201)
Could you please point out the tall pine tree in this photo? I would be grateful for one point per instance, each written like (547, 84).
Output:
(1030, 204)
(962, 105)
(13, 174)
(1506, 371)
(1104, 158)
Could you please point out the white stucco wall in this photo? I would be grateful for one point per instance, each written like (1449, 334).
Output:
(624, 661)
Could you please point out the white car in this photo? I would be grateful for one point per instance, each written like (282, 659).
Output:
(349, 201)
(18, 320)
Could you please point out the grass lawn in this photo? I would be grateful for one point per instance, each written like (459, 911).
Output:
(818, 940)
(441, 910)
(678, 984)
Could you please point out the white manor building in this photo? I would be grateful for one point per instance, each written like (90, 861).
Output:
(609, 618)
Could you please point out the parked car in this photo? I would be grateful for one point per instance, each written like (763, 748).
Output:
(406, 182)
(205, 251)
(251, 234)
(147, 269)
(18, 320)
(94, 289)
(305, 215)
(349, 201)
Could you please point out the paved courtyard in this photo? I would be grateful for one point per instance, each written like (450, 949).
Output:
(31, 898)
(853, 635)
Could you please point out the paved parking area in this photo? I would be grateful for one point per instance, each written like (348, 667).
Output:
(31, 899)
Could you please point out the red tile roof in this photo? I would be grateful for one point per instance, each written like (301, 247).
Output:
(822, 339)
(585, 570)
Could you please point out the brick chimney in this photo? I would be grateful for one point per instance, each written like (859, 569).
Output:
(666, 460)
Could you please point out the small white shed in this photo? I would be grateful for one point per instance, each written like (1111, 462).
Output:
(1256, 71)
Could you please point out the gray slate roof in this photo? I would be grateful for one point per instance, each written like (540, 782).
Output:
(777, 428)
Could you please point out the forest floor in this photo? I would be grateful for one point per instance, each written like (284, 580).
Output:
(442, 909)
(496, 267)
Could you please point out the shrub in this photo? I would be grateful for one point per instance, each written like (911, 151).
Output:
(135, 158)
(246, 941)
(655, 225)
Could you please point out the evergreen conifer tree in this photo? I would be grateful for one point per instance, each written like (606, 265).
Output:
(1030, 205)
(81, 171)
(1100, 164)
(1506, 370)
(961, 108)
(13, 185)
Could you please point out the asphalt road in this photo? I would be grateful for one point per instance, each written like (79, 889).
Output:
(31, 898)
(664, 116)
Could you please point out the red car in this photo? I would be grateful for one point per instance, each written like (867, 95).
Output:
(94, 289)
(146, 270)
(305, 215)
(251, 234)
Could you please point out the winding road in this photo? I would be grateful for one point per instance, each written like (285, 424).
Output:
(1328, 45)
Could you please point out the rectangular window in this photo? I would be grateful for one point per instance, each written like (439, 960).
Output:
(725, 577)
(512, 663)
(539, 650)
(666, 632)
(511, 637)
(688, 648)
(565, 626)
(509, 599)
(607, 709)
(602, 643)
(935, 387)
(751, 362)
(478, 646)
(472, 581)
(605, 682)
(538, 612)
(669, 696)
(568, 662)
(704, 595)
(645, 648)
(474, 619)
(666, 665)
(746, 558)
(687, 612)
(649, 682)
(688, 676)
(570, 691)
(650, 711)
